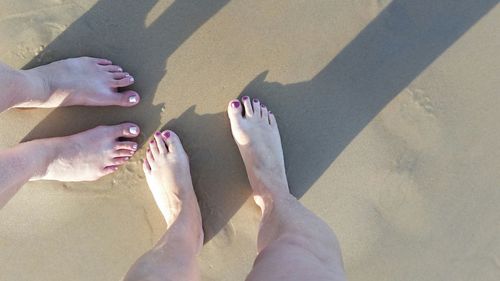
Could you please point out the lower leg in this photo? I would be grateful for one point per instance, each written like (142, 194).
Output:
(167, 172)
(293, 243)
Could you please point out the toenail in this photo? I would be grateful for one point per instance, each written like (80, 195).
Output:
(133, 130)
(166, 134)
(127, 75)
(157, 133)
(134, 147)
(245, 97)
(263, 105)
(131, 79)
(235, 104)
(255, 100)
(152, 141)
(132, 99)
(127, 158)
(120, 69)
(149, 150)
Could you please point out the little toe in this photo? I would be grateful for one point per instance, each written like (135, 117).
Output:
(101, 61)
(118, 161)
(109, 169)
(150, 158)
(247, 104)
(173, 142)
(162, 147)
(272, 120)
(126, 130)
(256, 107)
(145, 166)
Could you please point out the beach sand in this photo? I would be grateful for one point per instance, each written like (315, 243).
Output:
(388, 111)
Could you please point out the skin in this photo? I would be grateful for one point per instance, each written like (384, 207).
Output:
(85, 156)
(293, 243)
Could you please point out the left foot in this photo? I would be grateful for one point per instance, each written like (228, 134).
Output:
(166, 167)
(77, 81)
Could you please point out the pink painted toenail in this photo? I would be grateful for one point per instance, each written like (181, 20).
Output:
(157, 133)
(245, 97)
(166, 134)
(132, 99)
(235, 104)
(133, 130)
(255, 100)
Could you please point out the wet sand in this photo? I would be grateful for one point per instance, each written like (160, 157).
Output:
(388, 112)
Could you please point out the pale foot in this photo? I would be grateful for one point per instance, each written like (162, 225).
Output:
(77, 81)
(166, 167)
(88, 155)
(256, 133)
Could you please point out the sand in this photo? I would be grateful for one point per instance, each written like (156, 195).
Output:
(388, 112)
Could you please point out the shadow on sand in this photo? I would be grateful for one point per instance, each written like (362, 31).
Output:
(317, 118)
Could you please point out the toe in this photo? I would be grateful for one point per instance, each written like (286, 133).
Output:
(128, 145)
(126, 130)
(256, 107)
(112, 68)
(123, 82)
(234, 110)
(102, 61)
(125, 99)
(150, 158)
(247, 104)
(154, 148)
(145, 166)
(123, 153)
(264, 112)
(109, 169)
(162, 148)
(173, 142)
(272, 120)
(117, 161)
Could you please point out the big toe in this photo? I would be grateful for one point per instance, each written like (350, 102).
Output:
(235, 111)
(173, 142)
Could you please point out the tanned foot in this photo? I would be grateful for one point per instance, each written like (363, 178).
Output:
(166, 167)
(77, 81)
(256, 133)
(88, 155)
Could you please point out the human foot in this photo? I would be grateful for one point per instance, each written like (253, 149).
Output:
(166, 167)
(88, 155)
(77, 81)
(256, 133)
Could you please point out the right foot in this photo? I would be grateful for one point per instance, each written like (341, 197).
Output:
(166, 167)
(88, 155)
(256, 133)
(77, 81)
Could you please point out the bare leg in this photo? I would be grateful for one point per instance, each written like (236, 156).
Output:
(75, 81)
(293, 243)
(167, 172)
(81, 157)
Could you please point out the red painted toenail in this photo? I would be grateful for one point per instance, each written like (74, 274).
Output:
(149, 150)
(166, 134)
(157, 133)
(152, 141)
(245, 97)
(235, 104)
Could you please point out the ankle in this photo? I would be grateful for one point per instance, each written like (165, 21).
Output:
(33, 88)
(41, 153)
